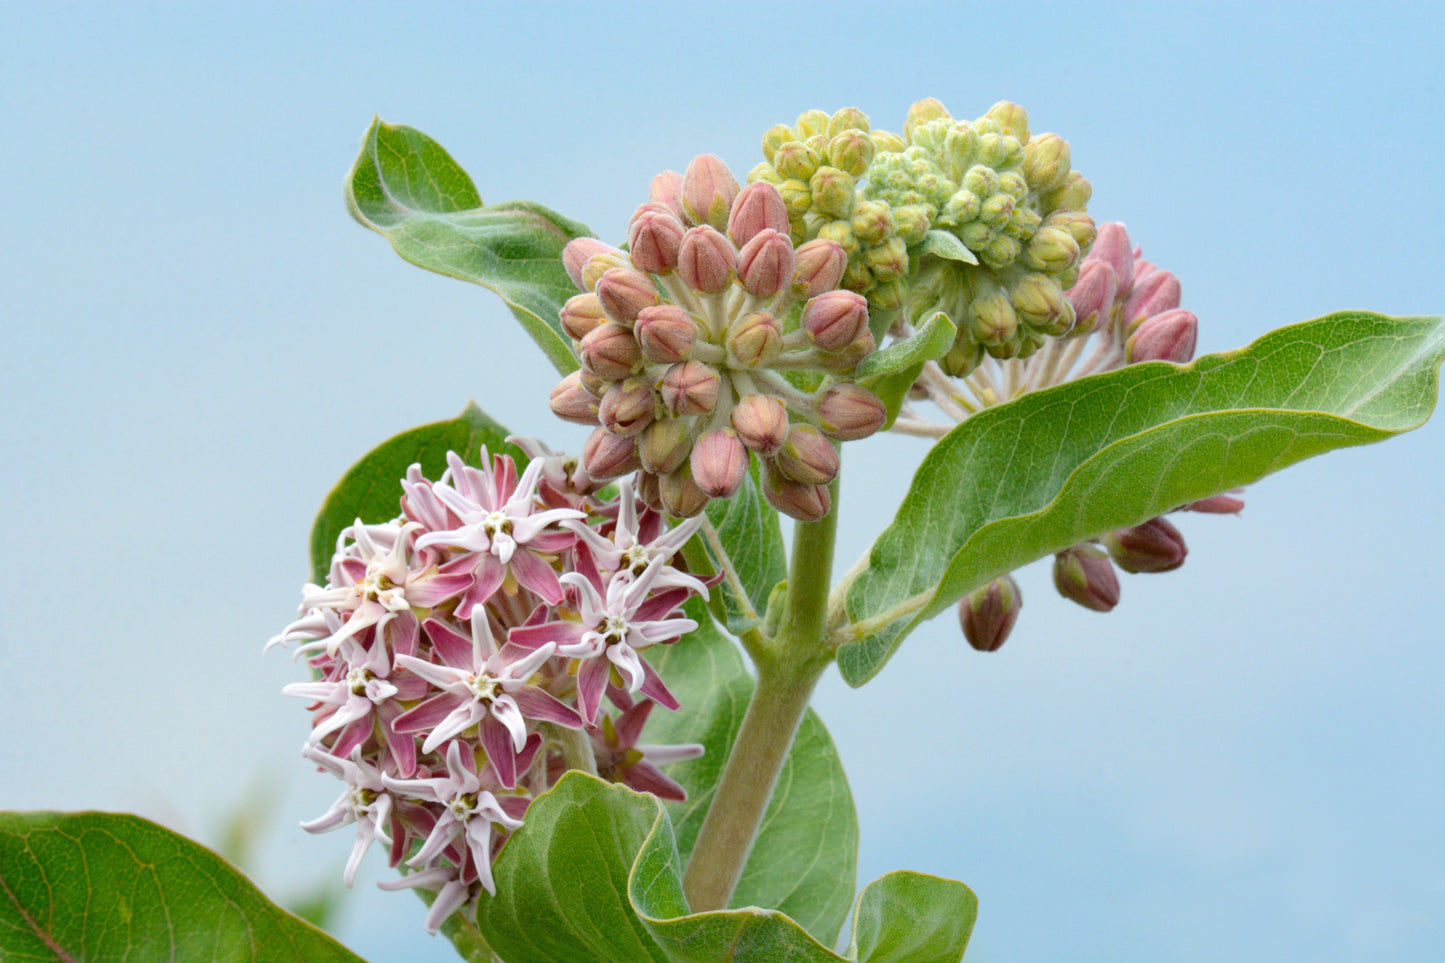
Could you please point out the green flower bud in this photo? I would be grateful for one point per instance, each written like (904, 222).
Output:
(851, 151)
(680, 495)
(911, 222)
(849, 118)
(1038, 299)
(1000, 251)
(777, 136)
(1052, 249)
(921, 113)
(797, 197)
(832, 192)
(755, 341)
(840, 233)
(1046, 162)
(664, 444)
(811, 122)
(887, 297)
(1011, 118)
(885, 141)
(962, 358)
(889, 260)
(795, 160)
(992, 321)
(1072, 196)
(765, 173)
(872, 221)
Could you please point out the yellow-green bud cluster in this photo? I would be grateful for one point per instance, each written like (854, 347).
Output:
(817, 165)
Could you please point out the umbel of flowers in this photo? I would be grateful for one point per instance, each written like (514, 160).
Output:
(465, 653)
(990, 220)
(1127, 312)
(712, 340)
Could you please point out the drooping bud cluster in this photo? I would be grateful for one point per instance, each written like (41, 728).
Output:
(454, 646)
(1011, 199)
(1127, 312)
(715, 338)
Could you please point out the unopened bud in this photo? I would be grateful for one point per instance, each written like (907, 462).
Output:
(1155, 546)
(708, 190)
(1155, 293)
(707, 260)
(1222, 504)
(987, 615)
(776, 136)
(811, 122)
(628, 407)
(912, 222)
(1052, 249)
(1046, 162)
(807, 503)
(832, 192)
(758, 207)
(847, 412)
(649, 490)
(653, 240)
(1164, 337)
(1093, 294)
(921, 113)
(833, 319)
(808, 456)
(796, 161)
(689, 388)
(665, 444)
(1012, 118)
(819, 266)
(888, 261)
(1079, 226)
(851, 151)
(766, 263)
(571, 402)
(607, 455)
(1113, 247)
(797, 197)
(623, 293)
(847, 118)
(581, 250)
(680, 494)
(755, 341)
(872, 221)
(581, 314)
(1039, 300)
(993, 322)
(610, 351)
(843, 362)
(666, 189)
(719, 463)
(761, 422)
(1085, 575)
(665, 333)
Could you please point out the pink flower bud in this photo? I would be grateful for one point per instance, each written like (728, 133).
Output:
(680, 494)
(708, 190)
(761, 422)
(1155, 293)
(719, 463)
(819, 266)
(987, 615)
(755, 341)
(758, 207)
(1093, 293)
(690, 388)
(666, 333)
(649, 490)
(1084, 574)
(624, 292)
(581, 314)
(571, 402)
(610, 351)
(807, 503)
(1155, 546)
(627, 407)
(607, 455)
(848, 412)
(654, 239)
(665, 444)
(707, 261)
(666, 189)
(834, 319)
(1164, 337)
(593, 385)
(581, 250)
(808, 456)
(766, 263)
(1222, 504)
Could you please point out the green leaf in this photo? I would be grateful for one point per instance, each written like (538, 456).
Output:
(946, 245)
(105, 886)
(406, 187)
(594, 876)
(1023, 480)
(891, 372)
(805, 860)
(747, 526)
(371, 489)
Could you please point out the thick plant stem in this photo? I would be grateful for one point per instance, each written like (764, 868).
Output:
(576, 748)
(787, 673)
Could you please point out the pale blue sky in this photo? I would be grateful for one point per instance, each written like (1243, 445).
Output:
(1245, 760)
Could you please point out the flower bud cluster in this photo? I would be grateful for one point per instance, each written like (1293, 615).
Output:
(454, 646)
(697, 342)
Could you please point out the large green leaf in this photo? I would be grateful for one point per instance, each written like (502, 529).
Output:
(406, 187)
(804, 862)
(594, 876)
(747, 526)
(1025, 479)
(371, 489)
(104, 886)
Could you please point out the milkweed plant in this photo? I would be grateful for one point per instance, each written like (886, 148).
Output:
(556, 691)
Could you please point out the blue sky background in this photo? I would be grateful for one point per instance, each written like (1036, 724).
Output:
(1246, 760)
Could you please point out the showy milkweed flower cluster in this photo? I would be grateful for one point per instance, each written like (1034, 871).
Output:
(455, 646)
(1127, 311)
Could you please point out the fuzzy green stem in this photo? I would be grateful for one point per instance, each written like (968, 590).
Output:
(788, 670)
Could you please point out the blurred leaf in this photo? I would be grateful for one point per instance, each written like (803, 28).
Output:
(946, 245)
(1025, 479)
(407, 188)
(371, 489)
(912, 918)
(104, 886)
(749, 531)
(891, 372)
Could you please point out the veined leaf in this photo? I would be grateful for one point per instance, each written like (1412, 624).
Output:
(944, 244)
(1023, 480)
(891, 372)
(407, 188)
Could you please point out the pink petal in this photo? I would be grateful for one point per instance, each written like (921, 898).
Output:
(501, 753)
(538, 704)
(428, 714)
(537, 575)
(591, 682)
(653, 688)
